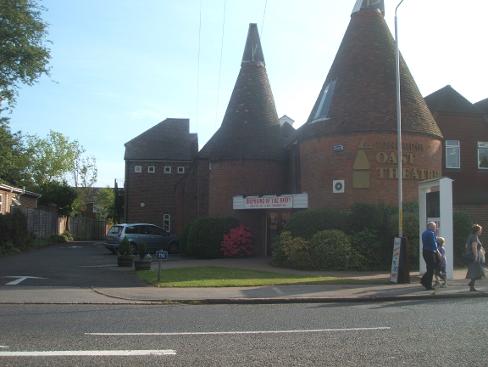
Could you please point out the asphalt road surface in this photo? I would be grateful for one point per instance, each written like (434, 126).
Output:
(72, 265)
(415, 333)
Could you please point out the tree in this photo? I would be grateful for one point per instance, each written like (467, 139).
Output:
(105, 203)
(14, 160)
(52, 158)
(24, 56)
(60, 194)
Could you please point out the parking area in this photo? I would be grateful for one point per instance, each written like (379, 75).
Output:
(77, 264)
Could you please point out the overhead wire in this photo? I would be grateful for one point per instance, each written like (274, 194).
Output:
(220, 61)
(264, 16)
(197, 102)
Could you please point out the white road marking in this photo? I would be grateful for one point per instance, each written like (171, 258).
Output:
(20, 279)
(98, 266)
(3, 347)
(57, 353)
(243, 332)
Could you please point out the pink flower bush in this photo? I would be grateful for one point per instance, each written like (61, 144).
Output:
(237, 242)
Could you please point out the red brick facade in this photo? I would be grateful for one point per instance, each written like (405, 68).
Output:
(149, 196)
(366, 157)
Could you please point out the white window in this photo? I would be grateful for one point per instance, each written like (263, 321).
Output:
(137, 169)
(483, 155)
(181, 170)
(151, 169)
(323, 108)
(453, 159)
(1, 203)
(167, 170)
(167, 222)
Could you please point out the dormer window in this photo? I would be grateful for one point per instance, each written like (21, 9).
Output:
(151, 169)
(138, 169)
(167, 170)
(322, 111)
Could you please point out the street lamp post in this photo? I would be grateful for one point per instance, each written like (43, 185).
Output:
(403, 269)
(399, 129)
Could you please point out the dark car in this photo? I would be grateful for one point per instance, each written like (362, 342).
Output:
(153, 237)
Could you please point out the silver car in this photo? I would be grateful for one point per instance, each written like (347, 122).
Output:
(153, 237)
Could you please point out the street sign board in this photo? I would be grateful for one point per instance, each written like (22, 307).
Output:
(162, 254)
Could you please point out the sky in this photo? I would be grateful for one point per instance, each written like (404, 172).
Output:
(120, 67)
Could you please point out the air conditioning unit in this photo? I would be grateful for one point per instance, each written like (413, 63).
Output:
(338, 186)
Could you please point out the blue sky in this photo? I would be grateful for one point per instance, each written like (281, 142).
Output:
(121, 66)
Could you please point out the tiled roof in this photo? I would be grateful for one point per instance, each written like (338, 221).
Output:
(447, 99)
(359, 92)
(482, 105)
(250, 128)
(168, 140)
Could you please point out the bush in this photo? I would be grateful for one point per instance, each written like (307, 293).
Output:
(125, 248)
(462, 223)
(57, 238)
(332, 250)
(237, 242)
(308, 222)
(13, 232)
(292, 251)
(67, 236)
(367, 216)
(375, 252)
(183, 239)
(205, 236)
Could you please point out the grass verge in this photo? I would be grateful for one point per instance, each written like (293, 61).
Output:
(216, 276)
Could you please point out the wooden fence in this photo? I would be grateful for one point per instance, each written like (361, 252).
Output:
(41, 223)
(87, 229)
(44, 223)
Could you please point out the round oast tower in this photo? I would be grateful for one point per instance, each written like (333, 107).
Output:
(347, 148)
(246, 155)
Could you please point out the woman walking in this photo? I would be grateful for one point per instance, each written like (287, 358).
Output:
(475, 254)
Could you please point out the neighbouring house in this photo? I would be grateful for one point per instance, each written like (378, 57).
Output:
(11, 196)
(154, 162)
(465, 159)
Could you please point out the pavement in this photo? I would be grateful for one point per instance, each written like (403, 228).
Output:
(373, 287)
(369, 287)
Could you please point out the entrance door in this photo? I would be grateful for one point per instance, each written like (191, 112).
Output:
(275, 222)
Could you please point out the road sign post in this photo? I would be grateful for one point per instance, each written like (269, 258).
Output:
(161, 255)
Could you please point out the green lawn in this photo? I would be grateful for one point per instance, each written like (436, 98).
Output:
(216, 276)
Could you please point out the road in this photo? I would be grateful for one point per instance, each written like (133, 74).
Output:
(412, 333)
(416, 333)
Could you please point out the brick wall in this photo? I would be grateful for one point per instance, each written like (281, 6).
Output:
(470, 184)
(371, 157)
(150, 195)
(230, 178)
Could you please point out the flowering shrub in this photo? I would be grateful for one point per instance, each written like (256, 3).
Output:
(237, 242)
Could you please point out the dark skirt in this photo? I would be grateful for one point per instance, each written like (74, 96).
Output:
(475, 271)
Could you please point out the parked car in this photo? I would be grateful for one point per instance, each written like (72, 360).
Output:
(154, 237)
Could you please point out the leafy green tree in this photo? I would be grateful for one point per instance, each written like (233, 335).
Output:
(52, 158)
(60, 194)
(14, 161)
(23, 46)
(105, 203)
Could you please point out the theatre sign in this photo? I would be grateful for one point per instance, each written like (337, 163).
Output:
(287, 201)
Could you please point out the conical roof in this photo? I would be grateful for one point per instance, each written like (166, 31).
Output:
(250, 128)
(359, 92)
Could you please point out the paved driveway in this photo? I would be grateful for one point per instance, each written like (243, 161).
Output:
(78, 264)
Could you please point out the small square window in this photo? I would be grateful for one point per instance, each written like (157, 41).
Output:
(167, 169)
(137, 169)
(151, 169)
(181, 170)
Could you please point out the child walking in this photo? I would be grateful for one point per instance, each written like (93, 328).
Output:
(440, 273)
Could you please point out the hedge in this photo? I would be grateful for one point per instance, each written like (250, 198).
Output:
(205, 236)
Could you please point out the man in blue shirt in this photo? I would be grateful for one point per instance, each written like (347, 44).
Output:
(429, 248)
